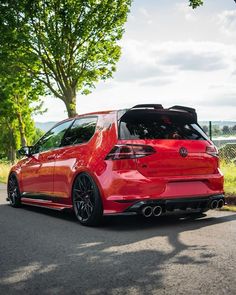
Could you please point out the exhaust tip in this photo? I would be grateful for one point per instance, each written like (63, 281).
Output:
(157, 210)
(221, 203)
(214, 204)
(147, 211)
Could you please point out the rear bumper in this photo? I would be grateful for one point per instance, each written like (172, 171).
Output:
(125, 189)
(169, 205)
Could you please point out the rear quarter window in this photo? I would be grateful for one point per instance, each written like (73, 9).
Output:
(81, 131)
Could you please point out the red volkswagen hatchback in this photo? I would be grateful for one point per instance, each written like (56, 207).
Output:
(146, 160)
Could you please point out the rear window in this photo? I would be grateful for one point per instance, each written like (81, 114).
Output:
(159, 127)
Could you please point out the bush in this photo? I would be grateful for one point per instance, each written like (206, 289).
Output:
(227, 153)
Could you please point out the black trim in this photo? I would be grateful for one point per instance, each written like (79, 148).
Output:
(40, 196)
(181, 203)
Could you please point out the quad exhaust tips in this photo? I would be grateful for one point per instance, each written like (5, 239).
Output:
(148, 211)
(157, 211)
(217, 204)
(220, 203)
(214, 204)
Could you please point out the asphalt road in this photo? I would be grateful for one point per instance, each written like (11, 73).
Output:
(46, 252)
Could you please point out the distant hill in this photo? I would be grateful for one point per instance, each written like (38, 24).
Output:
(44, 126)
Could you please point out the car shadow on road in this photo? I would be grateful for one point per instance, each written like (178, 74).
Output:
(47, 252)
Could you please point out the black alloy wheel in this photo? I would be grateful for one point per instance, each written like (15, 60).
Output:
(13, 191)
(86, 200)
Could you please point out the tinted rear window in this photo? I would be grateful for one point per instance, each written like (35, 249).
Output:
(160, 127)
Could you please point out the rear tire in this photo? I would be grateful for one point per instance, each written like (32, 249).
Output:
(87, 202)
(13, 191)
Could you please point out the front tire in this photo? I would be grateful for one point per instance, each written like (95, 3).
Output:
(13, 191)
(86, 200)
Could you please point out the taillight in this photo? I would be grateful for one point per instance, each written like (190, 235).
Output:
(212, 150)
(129, 151)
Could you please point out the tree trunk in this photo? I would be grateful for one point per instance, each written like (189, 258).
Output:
(12, 150)
(22, 130)
(70, 102)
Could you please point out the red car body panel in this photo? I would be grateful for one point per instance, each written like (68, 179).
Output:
(162, 175)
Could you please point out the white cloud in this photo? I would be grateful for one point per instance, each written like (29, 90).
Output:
(227, 21)
(188, 13)
(145, 15)
(144, 60)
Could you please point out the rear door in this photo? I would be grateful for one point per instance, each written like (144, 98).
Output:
(77, 152)
(180, 144)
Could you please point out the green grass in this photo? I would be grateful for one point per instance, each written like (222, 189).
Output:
(4, 170)
(229, 208)
(229, 171)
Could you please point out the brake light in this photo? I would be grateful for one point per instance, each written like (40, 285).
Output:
(129, 151)
(212, 150)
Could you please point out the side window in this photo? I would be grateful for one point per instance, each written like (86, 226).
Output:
(52, 139)
(81, 131)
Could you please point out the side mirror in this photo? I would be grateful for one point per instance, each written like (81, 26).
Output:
(25, 151)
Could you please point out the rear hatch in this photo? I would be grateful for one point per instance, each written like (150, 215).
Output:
(176, 144)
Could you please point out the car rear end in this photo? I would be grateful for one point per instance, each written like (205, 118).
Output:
(163, 161)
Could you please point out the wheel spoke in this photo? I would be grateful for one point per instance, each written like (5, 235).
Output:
(84, 197)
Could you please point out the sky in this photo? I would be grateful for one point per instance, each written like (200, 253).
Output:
(171, 55)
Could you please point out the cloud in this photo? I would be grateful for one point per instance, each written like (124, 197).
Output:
(227, 21)
(156, 82)
(188, 13)
(196, 61)
(220, 100)
(145, 60)
(145, 15)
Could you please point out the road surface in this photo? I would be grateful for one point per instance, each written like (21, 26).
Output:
(46, 252)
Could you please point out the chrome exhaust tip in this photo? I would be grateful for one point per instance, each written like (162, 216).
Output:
(221, 203)
(157, 210)
(214, 204)
(147, 211)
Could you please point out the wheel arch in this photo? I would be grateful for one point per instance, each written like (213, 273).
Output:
(95, 179)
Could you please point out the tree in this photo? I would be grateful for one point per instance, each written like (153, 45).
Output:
(226, 129)
(19, 99)
(234, 128)
(195, 3)
(72, 42)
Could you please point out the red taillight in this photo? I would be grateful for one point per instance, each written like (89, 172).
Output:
(129, 151)
(212, 150)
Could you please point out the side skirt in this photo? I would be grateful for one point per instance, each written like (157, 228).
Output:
(44, 203)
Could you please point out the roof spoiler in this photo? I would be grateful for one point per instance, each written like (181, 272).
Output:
(191, 111)
(175, 108)
(147, 106)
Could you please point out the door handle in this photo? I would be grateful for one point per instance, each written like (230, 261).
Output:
(51, 157)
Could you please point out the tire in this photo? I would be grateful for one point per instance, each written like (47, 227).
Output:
(13, 191)
(87, 202)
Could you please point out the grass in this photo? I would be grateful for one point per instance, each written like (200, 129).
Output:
(4, 170)
(229, 171)
(229, 208)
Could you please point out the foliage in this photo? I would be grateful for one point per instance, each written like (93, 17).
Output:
(71, 43)
(4, 171)
(195, 3)
(18, 91)
(229, 171)
(228, 152)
